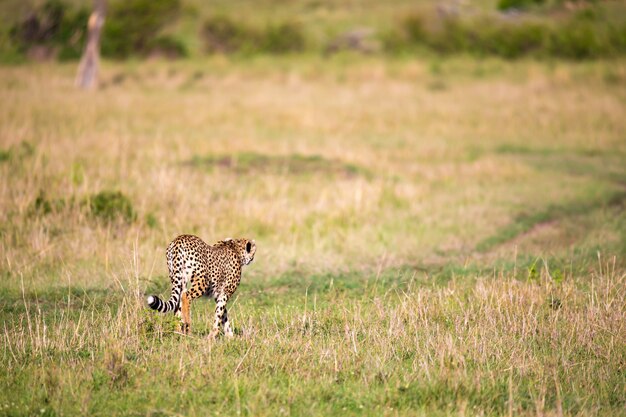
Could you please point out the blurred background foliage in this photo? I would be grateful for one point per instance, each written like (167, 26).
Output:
(55, 29)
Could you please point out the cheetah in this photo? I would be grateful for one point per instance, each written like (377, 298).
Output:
(197, 268)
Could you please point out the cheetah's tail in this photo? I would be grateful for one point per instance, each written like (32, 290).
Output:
(155, 303)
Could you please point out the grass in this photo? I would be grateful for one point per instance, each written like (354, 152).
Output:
(496, 347)
(296, 164)
(525, 222)
(421, 251)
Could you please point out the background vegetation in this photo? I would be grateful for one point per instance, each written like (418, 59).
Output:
(440, 235)
(174, 29)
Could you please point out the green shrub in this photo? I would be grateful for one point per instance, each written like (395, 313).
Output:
(617, 39)
(509, 39)
(224, 35)
(168, 47)
(283, 38)
(452, 37)
(18, 152)
(44, 205)
(132, 25)
(578, 40)
(41, 25)
(53, 25)
(518, 4)
(151, 221)
(488, 36)
(393, 41)
(411, 32)
(110, 206)
(582, 36)
(578, 2)
(414, 27)
(10, 53)
(72, 35)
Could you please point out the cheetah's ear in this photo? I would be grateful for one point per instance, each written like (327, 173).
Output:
(249, 246)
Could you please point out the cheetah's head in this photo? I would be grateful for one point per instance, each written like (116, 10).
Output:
(247, 249)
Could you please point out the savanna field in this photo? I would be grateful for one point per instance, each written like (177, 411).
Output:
(435, 236)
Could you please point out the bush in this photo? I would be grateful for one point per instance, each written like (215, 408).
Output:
(72, 35)
(42, 24)
(509, 39)
(17, 153)
(44, 205)
(414, 28)
(518, 4)
(112, 205)
(412, 31)
(579, 37)
(452, 37)
(132, 26)
(578, 40)
(393, 41)
(283, 38)
(53, 26)
(168, 47)
(10, 53)
(617, 38)
(223, 35)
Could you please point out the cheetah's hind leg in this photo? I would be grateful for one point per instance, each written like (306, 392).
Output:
(228, 330)
(220, 309)
(185, 323)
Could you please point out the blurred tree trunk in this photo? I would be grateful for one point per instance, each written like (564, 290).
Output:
(87, 76)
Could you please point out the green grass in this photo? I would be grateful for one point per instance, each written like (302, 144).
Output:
(326, 350)
(525, 222)
(421, 250)
(296, 164)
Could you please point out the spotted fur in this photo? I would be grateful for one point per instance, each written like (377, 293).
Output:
(196, 268)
